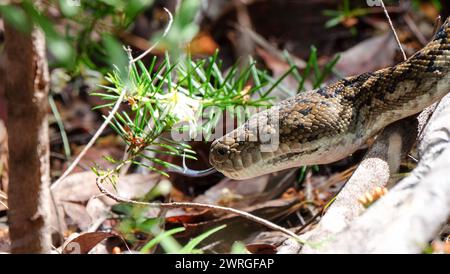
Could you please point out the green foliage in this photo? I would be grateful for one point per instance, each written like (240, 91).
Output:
(190, 247)
(133, 222)
(74, 48)
(117, 57)
(239, 248)
(15, 17)
(184, 27)
(161, 97)
(436, 3)
(164, 238)
(24, 15)
(312, 67)
(343, 13)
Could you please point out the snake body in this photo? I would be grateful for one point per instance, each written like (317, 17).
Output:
(329, 123)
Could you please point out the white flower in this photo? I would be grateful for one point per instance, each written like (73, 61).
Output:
(182, 107)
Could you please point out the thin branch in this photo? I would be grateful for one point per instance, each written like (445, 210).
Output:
(92, 141)
(229, 210)
(437, 24)
(169, 25)
(393, 30)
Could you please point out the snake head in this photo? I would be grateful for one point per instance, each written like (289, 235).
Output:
(237, 151)
(225, 156)
(303, 130)
(239, 154)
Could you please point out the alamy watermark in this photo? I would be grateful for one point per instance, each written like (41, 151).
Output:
(213, 122)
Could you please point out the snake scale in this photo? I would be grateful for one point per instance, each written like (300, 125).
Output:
(329, 123)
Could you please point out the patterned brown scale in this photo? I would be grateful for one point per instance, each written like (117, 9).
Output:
(327, 124)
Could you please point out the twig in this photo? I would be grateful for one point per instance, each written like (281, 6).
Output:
(169, 25)
(393, 30)
(437, 24)
(92, 141)
(243, 214)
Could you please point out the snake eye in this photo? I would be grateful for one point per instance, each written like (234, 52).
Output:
(221, 151)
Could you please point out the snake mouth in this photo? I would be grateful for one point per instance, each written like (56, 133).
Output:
(247, 161)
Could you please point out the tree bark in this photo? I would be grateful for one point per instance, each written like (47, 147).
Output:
(27, 83)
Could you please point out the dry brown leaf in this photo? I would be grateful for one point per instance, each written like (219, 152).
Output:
(74, 197)
(86, 242)
(261, 248)
(203, 44)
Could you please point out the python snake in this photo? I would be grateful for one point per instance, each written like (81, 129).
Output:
(329, 123)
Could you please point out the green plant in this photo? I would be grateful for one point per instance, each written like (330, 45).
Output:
(176, 94)
(436, 3)
(345, 15)
(312, 71)
(239, 248)
(167, 242)
(190, 247)
(133, 222)
(74, 48)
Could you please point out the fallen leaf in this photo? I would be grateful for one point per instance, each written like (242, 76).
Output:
(81, 186)
(203, 44)
(77, 215)
(85, 242)
(73, 197)
(183, 217)
(237, 226)
(261, 248)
